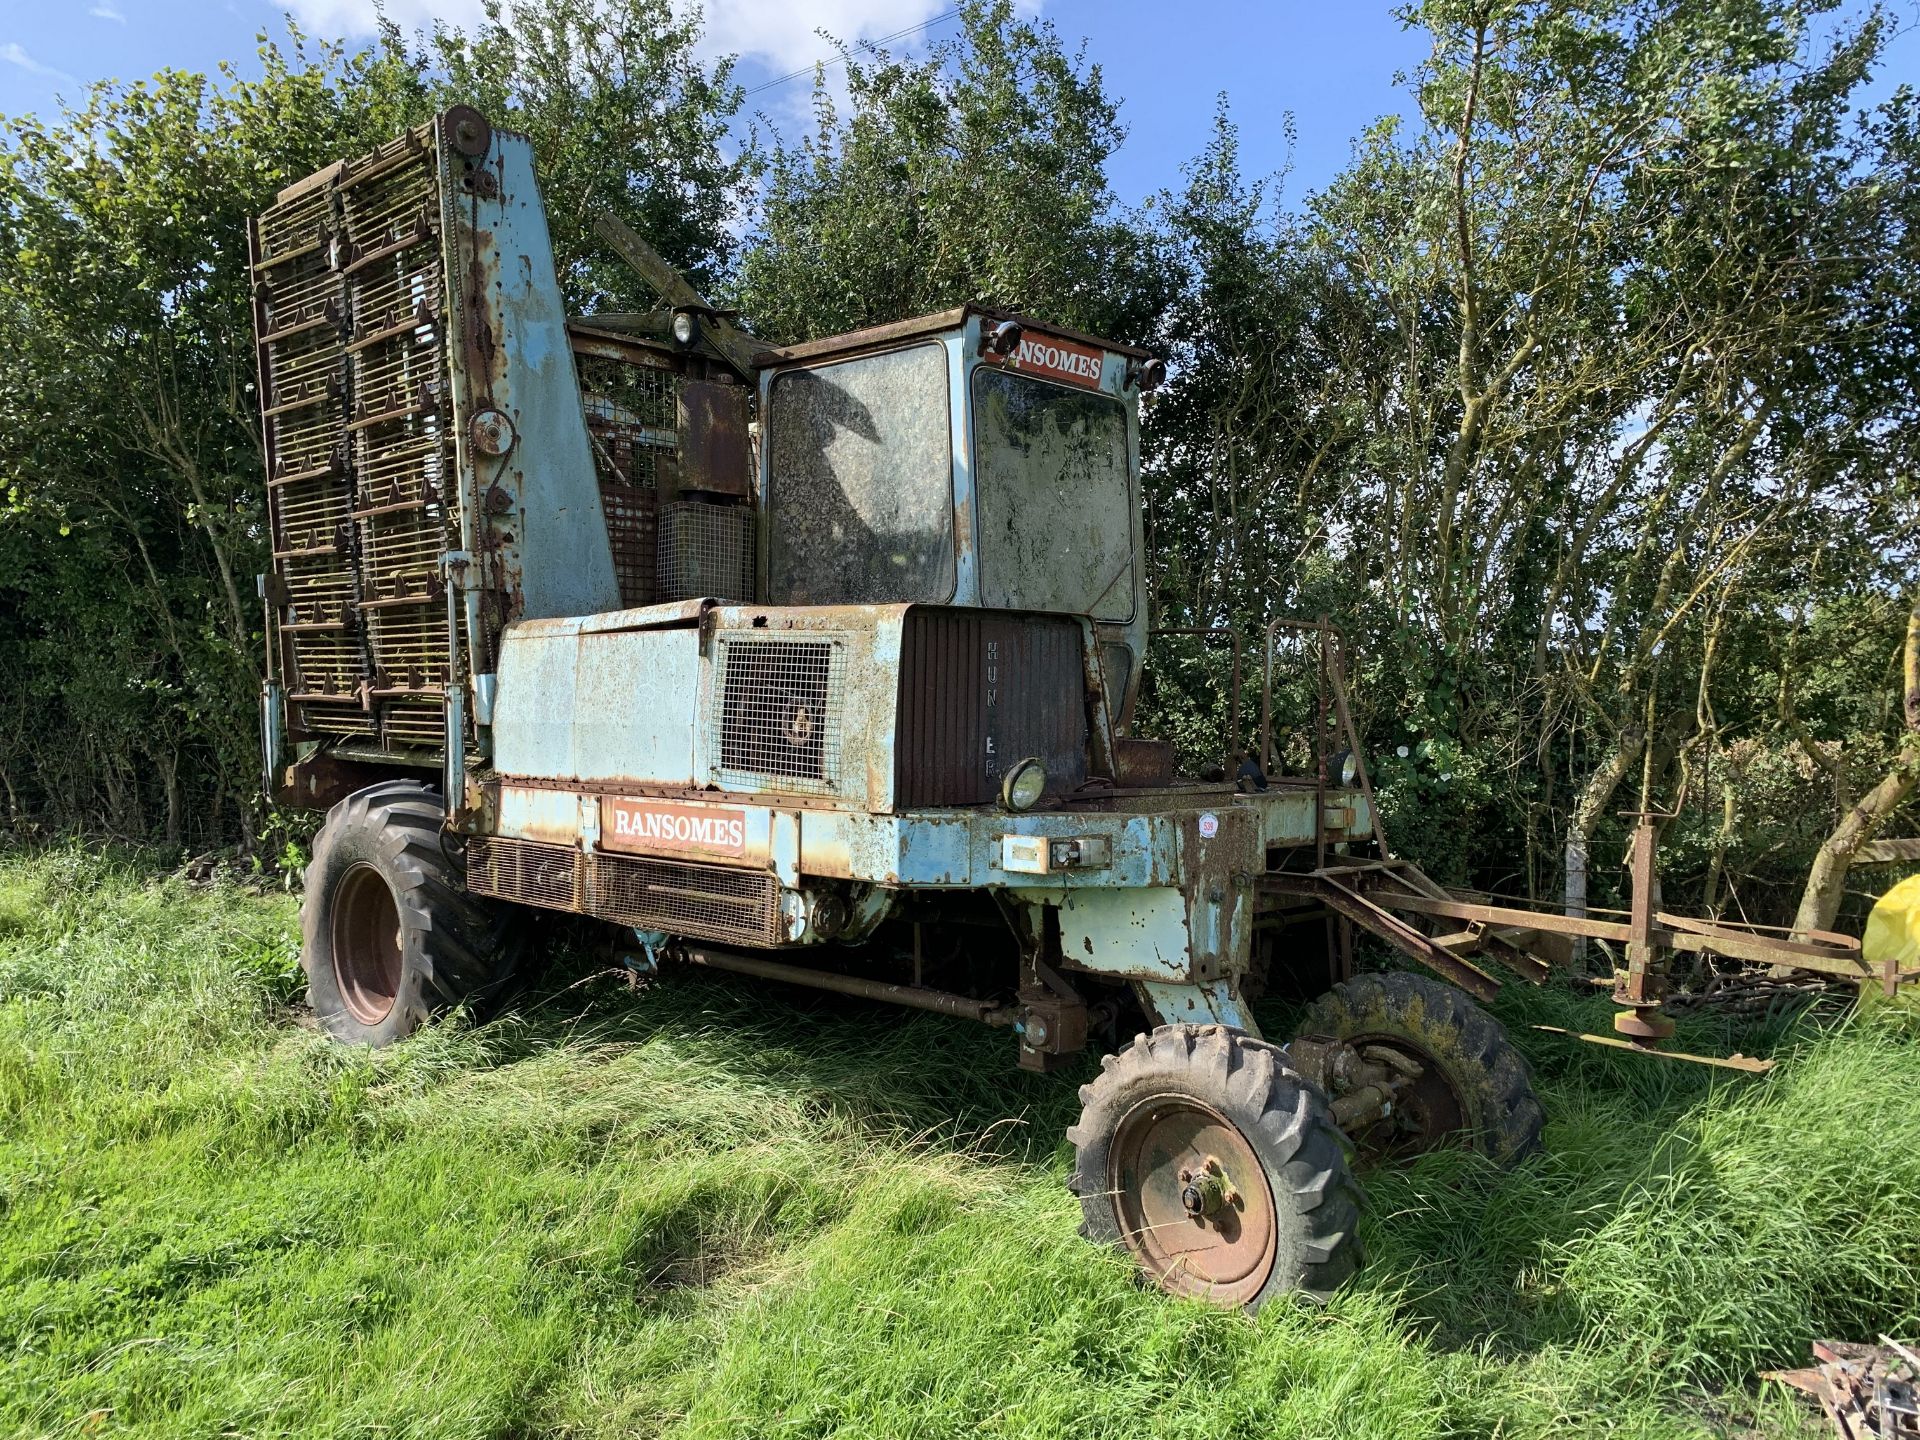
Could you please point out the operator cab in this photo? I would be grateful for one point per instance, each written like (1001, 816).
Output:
(970, 458)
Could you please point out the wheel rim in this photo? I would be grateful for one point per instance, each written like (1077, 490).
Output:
(1428, 1114)
(366, 944)
(1165, 1150)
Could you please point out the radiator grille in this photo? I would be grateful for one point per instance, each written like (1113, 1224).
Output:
(703, 902)
(981, 690)
(706, 551)
(779, 717)
(525, 871)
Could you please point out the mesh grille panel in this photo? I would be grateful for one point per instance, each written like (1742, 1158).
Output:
(706, 551)
(631, 411)
(633, 536)
(703, 902)
(780, 712)
(525, 871)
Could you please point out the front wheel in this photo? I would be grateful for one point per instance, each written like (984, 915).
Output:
(1217, 1168)
(391, 936)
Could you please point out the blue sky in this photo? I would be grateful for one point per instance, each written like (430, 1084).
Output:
(1331, 65)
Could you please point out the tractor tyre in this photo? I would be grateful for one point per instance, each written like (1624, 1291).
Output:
(1201, 1154)
(1475, 1089)
(391, 935)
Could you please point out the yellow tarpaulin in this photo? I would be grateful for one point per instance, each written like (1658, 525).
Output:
(1893, 929)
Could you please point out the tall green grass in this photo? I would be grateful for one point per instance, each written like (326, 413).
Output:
(705, 1208)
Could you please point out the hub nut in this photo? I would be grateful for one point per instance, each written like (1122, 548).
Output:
(1205, 1192)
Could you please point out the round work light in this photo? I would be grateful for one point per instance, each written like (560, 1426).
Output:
(1025, 783)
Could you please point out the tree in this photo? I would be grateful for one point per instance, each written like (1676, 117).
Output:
(977, 173)
(624, 119)
(129, 454)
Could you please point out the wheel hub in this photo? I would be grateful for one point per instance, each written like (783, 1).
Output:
(366, 944)
(1194, 1204)
(1204, 1192)
(1428, 1113)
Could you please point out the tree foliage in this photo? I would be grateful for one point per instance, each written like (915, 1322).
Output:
(976, 173)
(1583, 399)
(130, 466)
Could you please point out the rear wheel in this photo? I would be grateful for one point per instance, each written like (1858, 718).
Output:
(391, 935)
(1217, 1168)
(1473, 1088)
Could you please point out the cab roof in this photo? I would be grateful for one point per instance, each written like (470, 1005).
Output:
(876, 336)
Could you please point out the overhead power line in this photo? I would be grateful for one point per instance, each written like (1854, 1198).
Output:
(939, 19)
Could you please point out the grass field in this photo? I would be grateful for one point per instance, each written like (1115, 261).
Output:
(702, 1208)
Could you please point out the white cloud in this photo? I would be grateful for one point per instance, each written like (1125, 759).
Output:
(785, 36)
(362, 17)
(105, 11)
(781, 35)
(14, 54)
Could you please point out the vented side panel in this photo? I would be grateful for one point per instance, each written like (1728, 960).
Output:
(703, 902)
(979, 691)
(525, 871)
(779, 718)
(700, 902)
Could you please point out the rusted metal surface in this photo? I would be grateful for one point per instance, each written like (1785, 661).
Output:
(412, 354)
(1743, 1063)
(1194, 1202)
(684, 897)
(1362, 909)
(365, 944)
(713, 440)
(630, 396)
(896, 331)
(733, 345)
(879, 708)
(1391, 1098)
(1143, 763)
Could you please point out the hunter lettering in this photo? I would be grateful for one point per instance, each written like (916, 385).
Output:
(651, 826)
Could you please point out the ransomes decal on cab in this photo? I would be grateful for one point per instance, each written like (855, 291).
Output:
(820, 664)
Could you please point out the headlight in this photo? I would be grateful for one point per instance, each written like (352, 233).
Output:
(1024, 785)
(1345, 768)
(686, 328)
